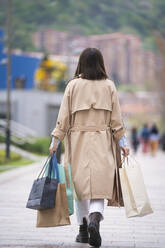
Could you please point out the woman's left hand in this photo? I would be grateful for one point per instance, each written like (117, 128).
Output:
(125, 151)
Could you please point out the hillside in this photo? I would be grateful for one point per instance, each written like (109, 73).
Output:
(84, 17)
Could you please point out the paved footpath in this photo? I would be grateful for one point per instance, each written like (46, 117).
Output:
(17, 224)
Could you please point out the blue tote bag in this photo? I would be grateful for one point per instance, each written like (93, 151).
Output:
(62, 179)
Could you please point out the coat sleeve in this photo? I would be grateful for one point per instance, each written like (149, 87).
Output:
(116, 124)
(63, 119)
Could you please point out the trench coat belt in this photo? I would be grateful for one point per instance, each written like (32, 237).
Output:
(78, 128)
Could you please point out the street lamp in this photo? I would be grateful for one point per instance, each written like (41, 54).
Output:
(8, 114)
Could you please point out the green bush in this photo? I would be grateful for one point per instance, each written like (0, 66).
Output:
(2, 139)
(13, 157)
(40, 146)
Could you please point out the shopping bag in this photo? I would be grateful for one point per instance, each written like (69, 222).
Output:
(43, 192)
(117, 198)
(69, 185)
(136, 201)
(59, 215)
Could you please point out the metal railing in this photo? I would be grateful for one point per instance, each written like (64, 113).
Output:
(19, 133)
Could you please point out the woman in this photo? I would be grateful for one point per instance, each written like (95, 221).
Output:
(89, 118)
(154, 139)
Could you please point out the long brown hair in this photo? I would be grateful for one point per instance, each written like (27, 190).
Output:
(91, 65)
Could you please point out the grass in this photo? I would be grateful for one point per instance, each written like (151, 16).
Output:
(22, 161)
(15, 161)
(13, 157)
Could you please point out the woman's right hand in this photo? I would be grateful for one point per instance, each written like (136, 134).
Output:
(52, 149)
(125, 151)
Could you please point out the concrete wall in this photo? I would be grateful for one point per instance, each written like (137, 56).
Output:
(38, 110)
(35, 109)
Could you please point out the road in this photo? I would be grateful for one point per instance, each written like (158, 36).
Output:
(17, 224)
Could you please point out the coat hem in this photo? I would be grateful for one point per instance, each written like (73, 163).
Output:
(94, 197)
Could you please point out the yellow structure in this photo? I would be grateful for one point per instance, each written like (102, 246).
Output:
(49, 74)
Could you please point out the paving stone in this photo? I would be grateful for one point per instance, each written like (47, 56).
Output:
(17, 224)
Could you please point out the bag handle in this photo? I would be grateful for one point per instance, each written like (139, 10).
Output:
(134, 161)
(53, 166)
(125, 161)
(44, 167)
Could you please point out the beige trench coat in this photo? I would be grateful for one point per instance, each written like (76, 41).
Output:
(90, 121)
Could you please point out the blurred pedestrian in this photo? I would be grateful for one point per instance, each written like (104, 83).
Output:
(134, 139)
(144, 138)
(90, 120)
(154, 139)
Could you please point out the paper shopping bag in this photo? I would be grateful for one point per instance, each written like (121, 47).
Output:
(134, 192)
(117, 198)
(58, 216)
(69, 187)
